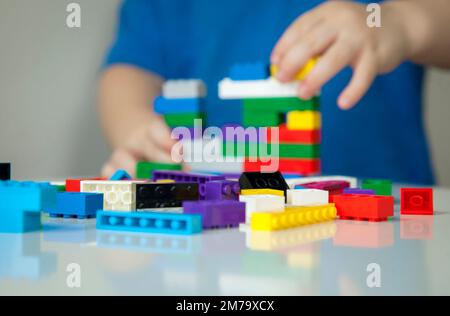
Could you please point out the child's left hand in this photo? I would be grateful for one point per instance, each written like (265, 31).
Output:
(338, 32)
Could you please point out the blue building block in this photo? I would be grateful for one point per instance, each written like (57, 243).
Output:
(160, 223)
(77, 204)
(21, 204)
(176, 106)
(250, 71)
(120, 175)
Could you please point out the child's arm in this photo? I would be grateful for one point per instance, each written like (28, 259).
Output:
(415, 30)
(134, 132)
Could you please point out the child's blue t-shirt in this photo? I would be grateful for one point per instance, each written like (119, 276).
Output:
(383, 136)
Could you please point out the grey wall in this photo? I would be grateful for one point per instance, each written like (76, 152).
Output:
(48, 73)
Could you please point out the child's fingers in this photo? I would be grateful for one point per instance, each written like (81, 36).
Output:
(294, 32)
(306, 48)
(152, 152)
(108, 170)
(363, 75)
(329, 64)
(123, 159)
(160, 133)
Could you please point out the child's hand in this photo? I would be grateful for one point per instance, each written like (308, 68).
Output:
(338, 32)
(151, 142)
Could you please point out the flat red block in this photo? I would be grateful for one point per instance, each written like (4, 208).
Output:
(364, 207)
(295, 136)
(415, 201)
(298, 166)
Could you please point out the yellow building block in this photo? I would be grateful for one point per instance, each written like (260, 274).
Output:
(165, 181)
(293, 216)
(301, 74)
(262, 192)
(304, 120)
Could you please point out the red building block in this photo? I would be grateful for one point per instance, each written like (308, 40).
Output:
(416, 201)
(298, 166)
(73, 185)
(364, 207)
(295, 136)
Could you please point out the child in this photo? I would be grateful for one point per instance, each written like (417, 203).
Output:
(383, 136)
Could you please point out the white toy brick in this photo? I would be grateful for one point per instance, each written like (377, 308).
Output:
(117, 195)
(269, 88)
(184, 89)
(307, 197)
(261, 203)
(299, 181)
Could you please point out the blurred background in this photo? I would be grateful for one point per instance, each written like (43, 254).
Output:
(48, 77)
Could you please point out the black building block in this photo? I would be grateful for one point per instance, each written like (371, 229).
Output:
(164, 195)
(258, 180)
(5, 171)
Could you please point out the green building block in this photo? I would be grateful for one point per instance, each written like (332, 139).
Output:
(284, 150)
(61, 188)
(260, 118)
(144, 170)
(380, 186)
(183, 119)
(281, 105)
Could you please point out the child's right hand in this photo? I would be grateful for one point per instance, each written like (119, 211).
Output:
(150, 142)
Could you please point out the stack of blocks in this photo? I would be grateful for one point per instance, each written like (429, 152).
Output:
(269, 103)
(182, 102)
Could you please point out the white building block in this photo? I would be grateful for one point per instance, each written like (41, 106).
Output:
(261, 203)
(269, 88)
(299, 181)
(307, 197)
(117, 195)
(184, 89)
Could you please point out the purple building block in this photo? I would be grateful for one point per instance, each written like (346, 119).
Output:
(219, 214)
(334, 187)
(180, 176)
(359, 191)
(222, 190)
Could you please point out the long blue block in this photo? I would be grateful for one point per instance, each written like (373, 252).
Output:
(120, 175)
(159, 223)
(175, 106)
(250, 71)
(77, 204)
(21, 204)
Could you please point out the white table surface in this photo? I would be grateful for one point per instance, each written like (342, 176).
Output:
(413, 254)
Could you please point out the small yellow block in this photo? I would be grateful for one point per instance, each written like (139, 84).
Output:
(301, 74)
(262, 192)
(293, 216)
(304, 120)
(165, 181)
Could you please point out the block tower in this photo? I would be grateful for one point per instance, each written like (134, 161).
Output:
(269, 103)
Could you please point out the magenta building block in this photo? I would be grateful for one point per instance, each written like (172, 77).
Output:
(222, 190)
(359, 191)
(180, 176)
(334, 187)
(217, 214)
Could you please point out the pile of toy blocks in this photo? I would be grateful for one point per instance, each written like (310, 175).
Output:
(268, 103)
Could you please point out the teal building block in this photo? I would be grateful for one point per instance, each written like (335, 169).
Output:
(120, 175)
(79, 205)
(158, 223)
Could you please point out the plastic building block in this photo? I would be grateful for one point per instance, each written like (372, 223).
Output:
(249, 71)
(77, 205)
(184, 89)
(284, 150)
(269, 88)
(372, 208)
(222, 190)
(258, 180)
(183, 119)
(415, 201)
(164, 195)
(292, 217)
(334, 187)
(120, 175)
(296, 137)
(74, 185)
(118, 195)
(160, 223)
(381, 187)
(353, 182)
(60, 187)
(144, 170)
(359, 191)
(5, 171)
(262, 192)
(301, 74)
(303, 120)
(22, 203)
(261, 203)
(173, 106)
(364, 234)
(280, 105)
(237, 133)
(180, 176)
(217, 214)
(261, 118)
(298, 166)
(307, 197)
